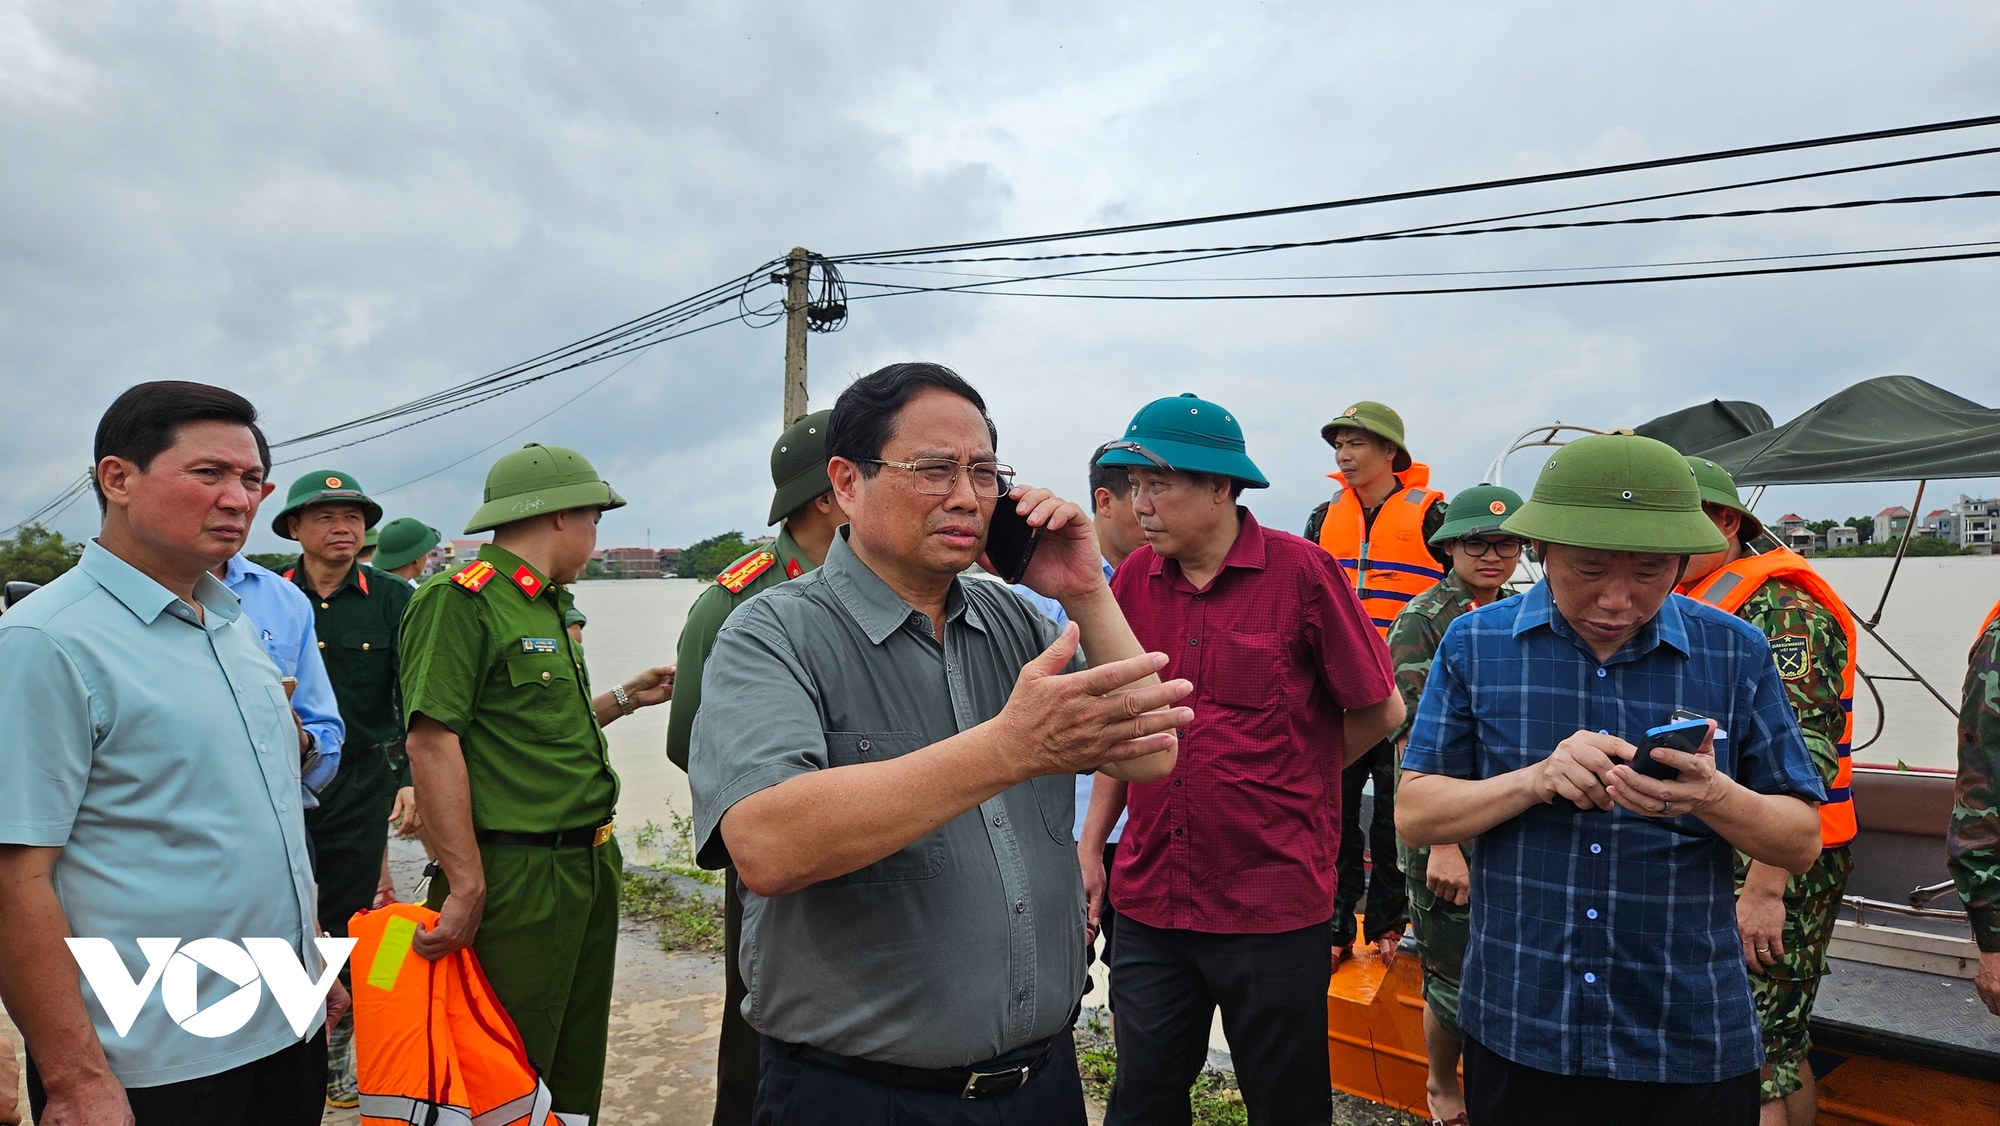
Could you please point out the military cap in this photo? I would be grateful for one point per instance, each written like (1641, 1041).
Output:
(324, 486)
(536, 479)
(1719, 488)
(798, 465)
(1478, 511)
(1376, 419)
(405, 540)
(373, 538)
(1617, 492)
(1185, 434)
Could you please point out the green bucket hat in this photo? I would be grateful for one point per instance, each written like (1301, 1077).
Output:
(1185, 434)
(1478, 511)
(324, 486)
(536, 479)
(1376, 419)
(798, 465)
(405, 540)
(1617, 492)
(1719, 488)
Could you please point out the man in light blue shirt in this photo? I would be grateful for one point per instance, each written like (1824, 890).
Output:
(283, 620)
(152, 791)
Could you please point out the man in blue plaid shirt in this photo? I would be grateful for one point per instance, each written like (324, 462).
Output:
(1604, 982)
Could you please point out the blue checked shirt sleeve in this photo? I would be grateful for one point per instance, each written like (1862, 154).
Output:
(1770, 754)
(313, 700)
(1443, 736)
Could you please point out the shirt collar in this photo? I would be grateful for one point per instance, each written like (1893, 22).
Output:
(1247, 552)
(355, 579)
(519, 573)
(145, 597)
(1668, 627)
(878, 610)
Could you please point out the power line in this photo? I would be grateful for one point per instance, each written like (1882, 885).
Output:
(1820, 268)
(1428, 193)
(1654, 197)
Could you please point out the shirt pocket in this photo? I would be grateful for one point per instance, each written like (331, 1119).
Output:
(1056, 795)
(1247, 670)
(920, 859)
(541, 694)
(371, 642)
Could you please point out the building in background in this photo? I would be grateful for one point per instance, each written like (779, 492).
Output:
(1890, 524)
(670, 560)
(630, 562)
(1976, 522)
(1843, 535)
(460, 551)
(1941, 524)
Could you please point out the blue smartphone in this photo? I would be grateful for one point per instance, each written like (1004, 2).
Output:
(1680, 735)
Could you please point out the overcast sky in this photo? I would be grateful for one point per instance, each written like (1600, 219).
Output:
(333, 208)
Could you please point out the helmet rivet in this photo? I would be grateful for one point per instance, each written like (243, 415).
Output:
(1627, 494)
(1194, 410)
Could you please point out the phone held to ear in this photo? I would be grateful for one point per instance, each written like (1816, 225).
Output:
(1010, 541)
(1679, 735)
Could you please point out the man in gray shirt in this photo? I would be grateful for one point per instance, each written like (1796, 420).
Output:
(886, 752)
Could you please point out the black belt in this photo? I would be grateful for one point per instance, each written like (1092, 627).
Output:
(588, 836)
(998, 1077)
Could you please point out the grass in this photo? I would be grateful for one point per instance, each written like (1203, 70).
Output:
(688, 921)
(670, 848)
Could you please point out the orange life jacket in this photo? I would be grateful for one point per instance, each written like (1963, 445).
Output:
(431, 1042)
(1390, 563)
(1727, 590)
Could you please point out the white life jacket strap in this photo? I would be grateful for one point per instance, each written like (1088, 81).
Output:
(417, 1112)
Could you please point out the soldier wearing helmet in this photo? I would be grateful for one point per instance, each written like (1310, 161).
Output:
(514, 781)
(1603, 967)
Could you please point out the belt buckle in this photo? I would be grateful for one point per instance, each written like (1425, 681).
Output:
(603, 834)
(974, 1089)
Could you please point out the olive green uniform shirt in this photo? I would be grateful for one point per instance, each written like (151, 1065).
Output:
(1973, 843)
(492, 662)
(357, 626)
(705, 618)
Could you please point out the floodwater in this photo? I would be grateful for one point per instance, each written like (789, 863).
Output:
(1934, 608)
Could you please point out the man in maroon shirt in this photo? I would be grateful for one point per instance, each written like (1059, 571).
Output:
(1225, 873)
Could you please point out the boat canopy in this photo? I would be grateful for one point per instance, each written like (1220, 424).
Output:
(1891, 428)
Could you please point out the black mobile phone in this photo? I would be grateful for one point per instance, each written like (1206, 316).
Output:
(1010, 541)
(1680, 735)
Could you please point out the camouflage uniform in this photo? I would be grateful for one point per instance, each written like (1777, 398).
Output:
(1811, 651)
(1442, 927)
(1974, 841)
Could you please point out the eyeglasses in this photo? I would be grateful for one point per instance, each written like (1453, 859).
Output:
(1477, 549)
(937, 476)
(1132, 448)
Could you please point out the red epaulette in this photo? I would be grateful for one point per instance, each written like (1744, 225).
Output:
(741, 572)
(474, 576)
(526, 580)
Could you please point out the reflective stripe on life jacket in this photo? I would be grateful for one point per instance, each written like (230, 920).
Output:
(431, 1041)
(1727, 590)
(1390, 563)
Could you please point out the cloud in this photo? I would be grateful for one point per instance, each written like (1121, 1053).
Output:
(337, 207)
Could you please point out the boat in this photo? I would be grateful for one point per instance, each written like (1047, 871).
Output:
(1900, 1037)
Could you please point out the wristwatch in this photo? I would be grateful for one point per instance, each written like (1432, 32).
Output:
(624, 700)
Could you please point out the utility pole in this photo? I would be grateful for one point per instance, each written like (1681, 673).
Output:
(797, 267)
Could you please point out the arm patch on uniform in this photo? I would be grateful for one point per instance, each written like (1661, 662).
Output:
(740, 575)
(1792, 653)
(473, 576)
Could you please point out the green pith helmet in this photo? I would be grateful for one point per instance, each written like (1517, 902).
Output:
(372, 539)
(405, 540)
(1719, 488)
(1478, 511)
(536, 479)
(798, 465)
(1186, 434)
(324, 486)
(1618, 492)
(1376, 419)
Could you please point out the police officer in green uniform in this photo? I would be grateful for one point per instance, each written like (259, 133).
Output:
(356, 609)
(811, 515)
(514, 780)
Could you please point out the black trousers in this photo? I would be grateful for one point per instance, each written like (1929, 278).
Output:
(736, 1057)
(1500, 1092)
(797, 1092)
(1272, 990)
(1387, 905)
(285, 1088)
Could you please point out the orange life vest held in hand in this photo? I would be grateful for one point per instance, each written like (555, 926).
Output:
(431, 1043)
(1727, 590)
(1390, 563)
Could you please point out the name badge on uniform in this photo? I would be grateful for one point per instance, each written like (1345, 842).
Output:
(538, 645)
